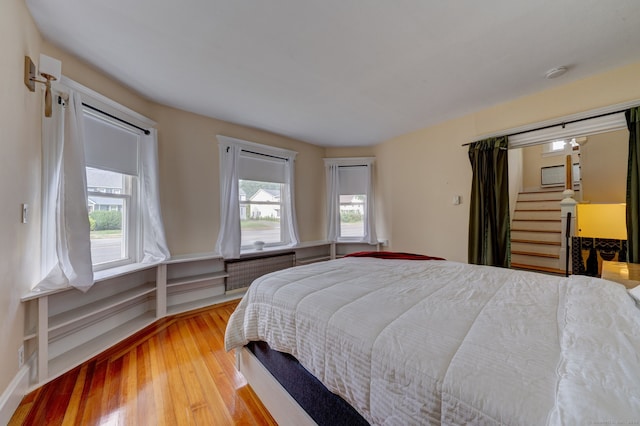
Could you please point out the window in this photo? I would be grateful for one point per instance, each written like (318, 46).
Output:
(353, 199)
(90, 216)
(111, 155)
(256, 193)
(350, 205)
(260, 212)
(557, 147)
(261, 185)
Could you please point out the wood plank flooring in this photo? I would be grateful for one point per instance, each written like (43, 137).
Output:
(174, 372)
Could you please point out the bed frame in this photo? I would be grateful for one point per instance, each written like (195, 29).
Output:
(284, 409)
(290, 392)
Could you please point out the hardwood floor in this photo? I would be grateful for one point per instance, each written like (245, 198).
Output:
(174, 372)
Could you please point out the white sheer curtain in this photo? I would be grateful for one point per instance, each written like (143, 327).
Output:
(228, 244)
(333, 202)
(154, 243)
(67, 253)
(370, 235)
(289, 201)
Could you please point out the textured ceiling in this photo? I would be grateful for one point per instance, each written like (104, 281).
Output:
(341, 72)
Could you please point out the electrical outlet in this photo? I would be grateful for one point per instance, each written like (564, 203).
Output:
(21, 356)
(25, 213)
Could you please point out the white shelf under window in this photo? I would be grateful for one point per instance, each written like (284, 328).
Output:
(91, 309)
(91, 348)
(202, 303)
(67, 327)
(312, 259)
(173, 282)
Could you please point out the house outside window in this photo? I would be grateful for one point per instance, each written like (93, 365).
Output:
(352, 215)
(260, 212)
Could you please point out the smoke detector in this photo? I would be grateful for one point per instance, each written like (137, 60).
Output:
(555, 72)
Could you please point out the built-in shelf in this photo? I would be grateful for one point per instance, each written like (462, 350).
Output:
(202, 303)
(31, 334)
(312, 259)
(91, 348)
(196, 278)
(94, 308)
(66, 327)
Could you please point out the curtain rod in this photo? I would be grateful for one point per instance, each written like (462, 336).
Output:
(259, 153)
(564, 123)
(146, 132)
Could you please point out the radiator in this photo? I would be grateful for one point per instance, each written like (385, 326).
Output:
(241, 273)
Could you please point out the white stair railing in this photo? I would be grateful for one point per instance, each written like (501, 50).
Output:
(567, 205)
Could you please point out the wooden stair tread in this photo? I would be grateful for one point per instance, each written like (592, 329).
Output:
(537, 220)
(551, 191)
(538, 201)
(528, 253)
(546, 243)
(537, 268)
(536, 230)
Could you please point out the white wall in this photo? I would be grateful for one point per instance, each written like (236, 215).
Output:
(20, 123)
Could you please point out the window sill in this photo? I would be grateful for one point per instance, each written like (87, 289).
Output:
(98, 276)
(118, 271)
(270, 250)
(281, 249)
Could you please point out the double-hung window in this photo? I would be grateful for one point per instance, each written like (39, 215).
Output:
(350, 199)
(99, 168)
(257, 183)
(112, 164)
(261, 185)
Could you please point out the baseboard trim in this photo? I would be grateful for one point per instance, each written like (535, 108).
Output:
(11, 397)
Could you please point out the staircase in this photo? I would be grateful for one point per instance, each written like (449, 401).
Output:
(536, 232)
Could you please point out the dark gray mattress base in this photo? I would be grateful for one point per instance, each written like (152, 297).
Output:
(322, 405)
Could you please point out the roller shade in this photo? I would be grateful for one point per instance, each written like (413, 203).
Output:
(352, 180)
(109, 146)
(261, 168)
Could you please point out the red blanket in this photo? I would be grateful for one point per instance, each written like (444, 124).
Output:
(392, 255)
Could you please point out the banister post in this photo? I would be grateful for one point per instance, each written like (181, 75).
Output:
(567, 205)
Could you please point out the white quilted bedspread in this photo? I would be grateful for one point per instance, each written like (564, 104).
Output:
(431, 342)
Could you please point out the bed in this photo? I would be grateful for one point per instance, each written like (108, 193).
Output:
(440, 342)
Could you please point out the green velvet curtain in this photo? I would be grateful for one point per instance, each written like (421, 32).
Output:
(633, 186)
(489, 239)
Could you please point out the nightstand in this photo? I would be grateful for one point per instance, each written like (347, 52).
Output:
(627, 274)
